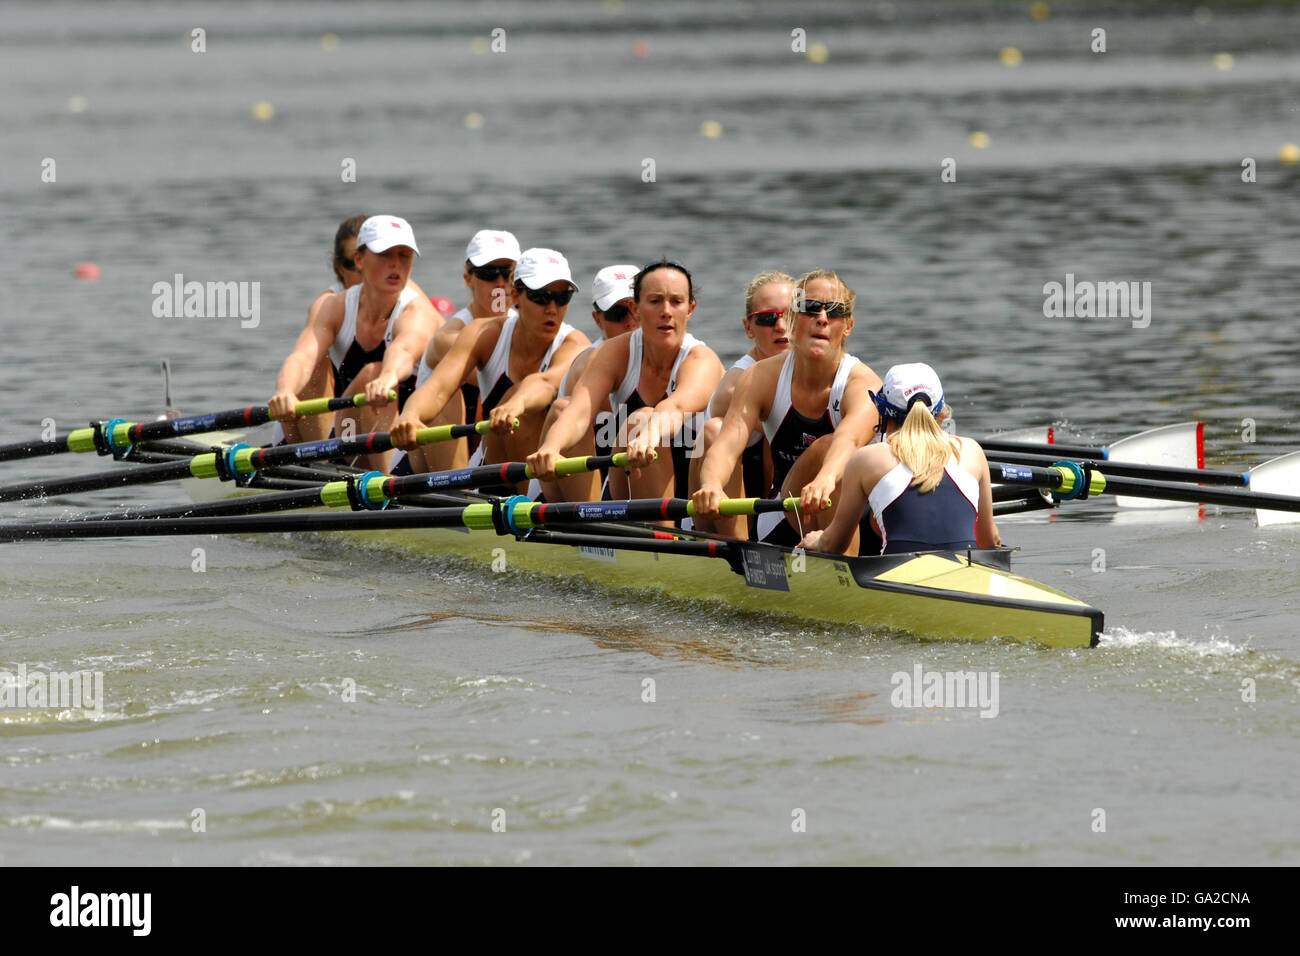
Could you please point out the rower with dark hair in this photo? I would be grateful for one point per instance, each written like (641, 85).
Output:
(657, 380)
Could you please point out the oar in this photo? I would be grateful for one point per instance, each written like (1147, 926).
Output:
(116, 436)
(1071, 480)
(506, 517)
(1203, 476)
(1183, 443)
(235, 462)
(371, 490)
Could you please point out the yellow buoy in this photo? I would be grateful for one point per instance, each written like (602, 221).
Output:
(1289, 153)
(818, 53)
(480, 46)
(1223, 61)
(1010, 56)
(474, 121)
(263, 111)
(76, 104)
(710, 129)
(1039, 11)
(978, 139)
(329, 42)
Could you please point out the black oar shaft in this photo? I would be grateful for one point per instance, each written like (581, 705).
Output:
(1146, 488)
(1130, 470)
(1035, 448)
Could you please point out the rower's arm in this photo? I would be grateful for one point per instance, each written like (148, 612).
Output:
(722, 395)
(986, 529)
(599, 378)
(313, 342)
(415, 327)
(743, 417)
(538, 390)
(428, 400)
(697, 378)
(860, 476)
(857, 424)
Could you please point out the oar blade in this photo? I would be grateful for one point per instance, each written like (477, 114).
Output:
(1174, 446)
(1280, 476)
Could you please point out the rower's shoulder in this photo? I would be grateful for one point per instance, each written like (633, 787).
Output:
(862, 372)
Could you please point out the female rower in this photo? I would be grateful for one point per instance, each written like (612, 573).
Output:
(767, 313)
(927, 490)
(368, 338)
(613, 311)
(813, 404)
(490, 261)
(519, 361)
(657, 380)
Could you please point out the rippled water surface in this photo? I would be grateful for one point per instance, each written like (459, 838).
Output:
(324, 701)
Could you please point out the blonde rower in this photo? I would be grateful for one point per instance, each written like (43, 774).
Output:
(813, 404)
(766, 321)
(927, 490)
(657, 379)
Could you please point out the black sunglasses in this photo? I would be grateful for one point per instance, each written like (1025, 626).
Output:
(491, 273)
(546, 296)
(766, 319)
(618, 313)
(834, 310)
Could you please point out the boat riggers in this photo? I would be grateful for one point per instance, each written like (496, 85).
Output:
(116, 436)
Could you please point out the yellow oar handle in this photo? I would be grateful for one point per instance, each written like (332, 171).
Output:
(747, 506)
(427, 436)
(319, 406)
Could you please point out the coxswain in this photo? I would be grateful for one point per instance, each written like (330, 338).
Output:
(927, 490)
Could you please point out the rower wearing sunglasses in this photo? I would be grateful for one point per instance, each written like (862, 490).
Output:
(767, 314)
(658, 381)
(519, 361)
(334, 354)
(814, 405)
(612, 309)
(925, 490)
(490, 261)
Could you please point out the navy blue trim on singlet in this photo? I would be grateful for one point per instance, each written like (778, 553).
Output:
(493, 398)
(355, 359)
(792, 439)
(939, 520)
(681, 463)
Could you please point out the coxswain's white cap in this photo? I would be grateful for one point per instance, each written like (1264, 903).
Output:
(613, 284)
(381, 233)
(905, 384)
(537, 268)
(489, 245)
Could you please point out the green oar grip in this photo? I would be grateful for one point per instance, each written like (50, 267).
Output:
(319, 406)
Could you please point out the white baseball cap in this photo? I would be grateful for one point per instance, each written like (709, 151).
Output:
(381, 233)
(537, 268)
(613, 284)
(904, 384)
(489, 245)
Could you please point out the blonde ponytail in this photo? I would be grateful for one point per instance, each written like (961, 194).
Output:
(922, 446)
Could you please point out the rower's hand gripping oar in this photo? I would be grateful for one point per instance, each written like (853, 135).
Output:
(116, 436)
(235, 463)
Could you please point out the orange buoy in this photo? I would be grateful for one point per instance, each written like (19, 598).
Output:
(86, 270)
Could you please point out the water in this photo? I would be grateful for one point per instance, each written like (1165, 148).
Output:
(228, 691)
